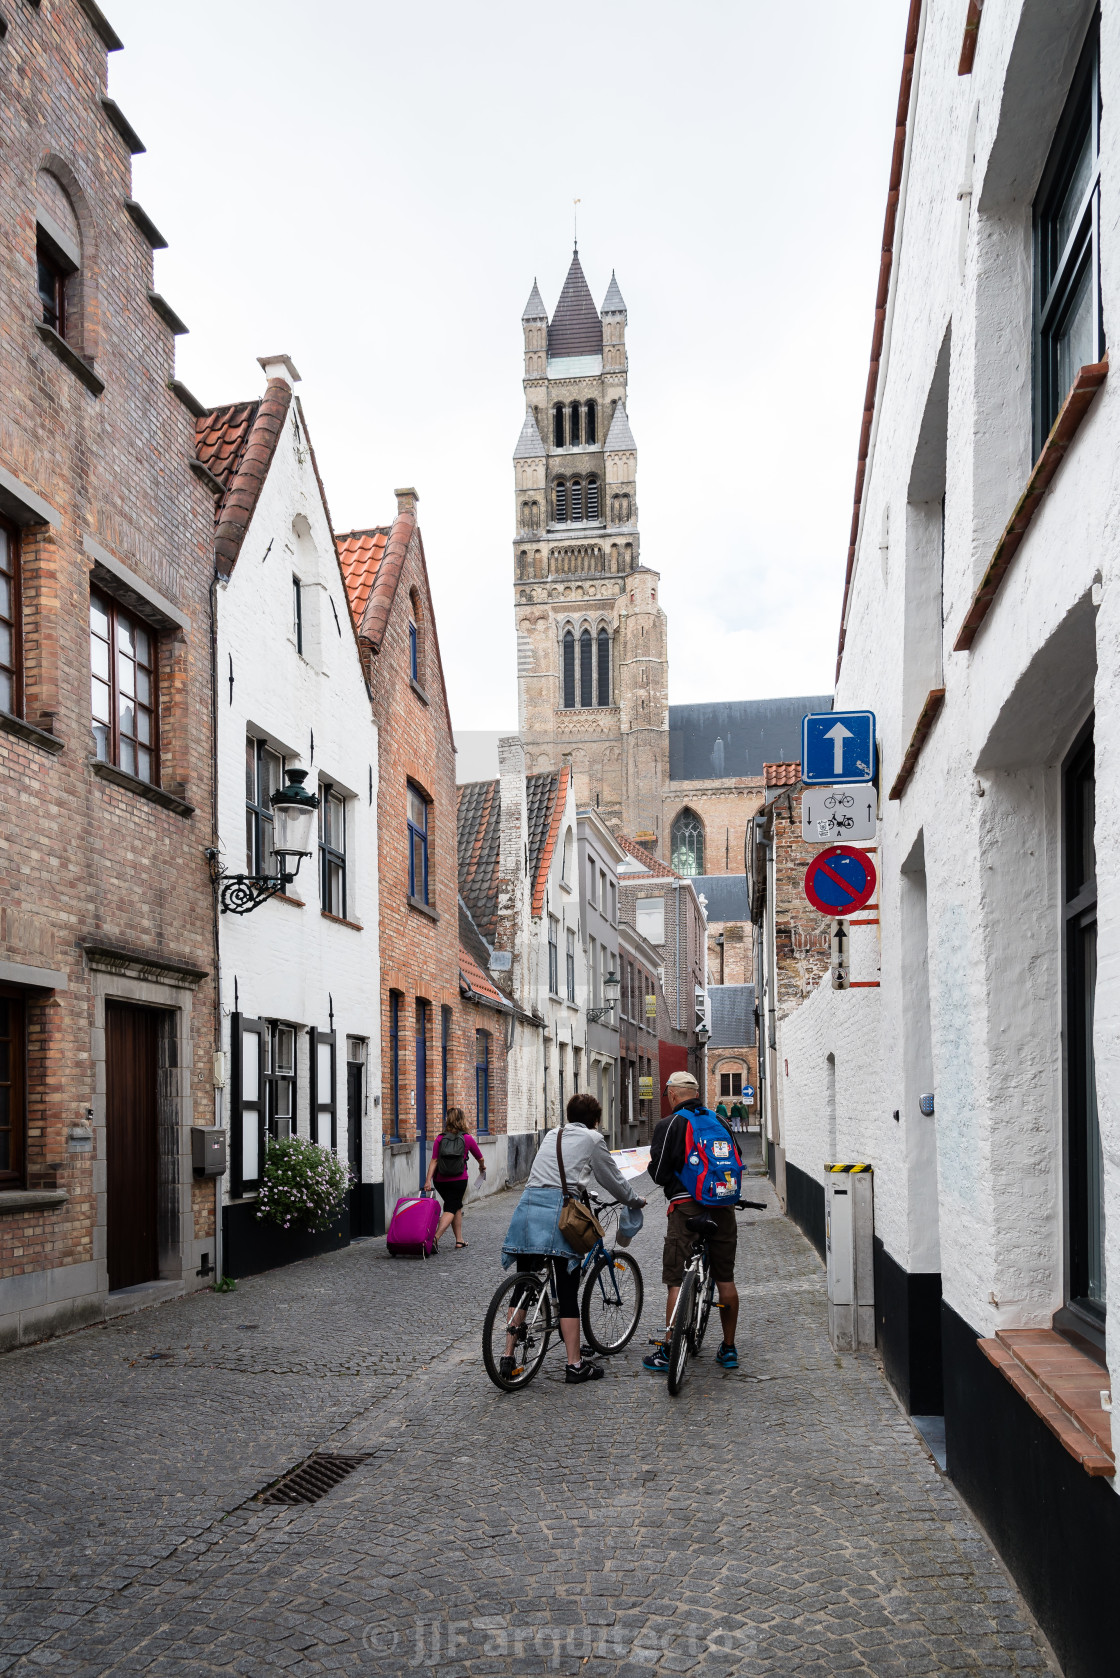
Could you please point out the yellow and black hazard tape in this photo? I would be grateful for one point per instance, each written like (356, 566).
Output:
(858, 1166)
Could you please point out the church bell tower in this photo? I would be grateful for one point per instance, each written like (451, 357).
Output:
(592, 661)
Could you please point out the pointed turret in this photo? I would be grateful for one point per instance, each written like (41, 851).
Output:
(575, 328)
(529, 445)
(534, 308)
(612, 302)
(620, 437)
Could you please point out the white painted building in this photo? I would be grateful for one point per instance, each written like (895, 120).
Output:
(982, 625)
(300, 977)
(598, 858)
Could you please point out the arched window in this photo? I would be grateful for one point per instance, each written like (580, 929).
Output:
(593, 499)
(415, 637)
(586, 692)
(604, 668)
(566, 860)
(525, 515)
(561, 501)
(569, 671)
(535, 515)
(558, 425)
(577, 498)
(589, 432)
(573, 423)
(687, 841)
(523, 565)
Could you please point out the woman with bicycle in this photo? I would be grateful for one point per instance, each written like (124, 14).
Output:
(534, 1239)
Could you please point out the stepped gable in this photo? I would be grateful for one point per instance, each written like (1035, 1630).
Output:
(529, 445)
(360, 553)
(575, 328)
(479, 831)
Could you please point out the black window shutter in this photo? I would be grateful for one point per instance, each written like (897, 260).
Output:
(324, 1105)
(247, 1130)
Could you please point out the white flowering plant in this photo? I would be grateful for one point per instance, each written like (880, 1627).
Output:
(302, 1185)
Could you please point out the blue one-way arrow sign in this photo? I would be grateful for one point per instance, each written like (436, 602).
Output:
(837, 747)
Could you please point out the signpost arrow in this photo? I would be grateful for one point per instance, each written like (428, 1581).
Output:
(838, 735)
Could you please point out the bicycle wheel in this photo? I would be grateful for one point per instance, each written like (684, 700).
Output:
(525, 1297)
(703, 1312)
(682, 1323)
(612, 1302)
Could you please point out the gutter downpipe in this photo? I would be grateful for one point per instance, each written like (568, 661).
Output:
(219, 1182)
(891, 251)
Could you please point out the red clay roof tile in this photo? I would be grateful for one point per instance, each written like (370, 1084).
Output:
(781, 774)
(360, 553)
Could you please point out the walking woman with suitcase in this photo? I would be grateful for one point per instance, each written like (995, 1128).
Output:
(448, 1171)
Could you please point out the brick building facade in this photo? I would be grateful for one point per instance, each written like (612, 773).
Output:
(106, 935)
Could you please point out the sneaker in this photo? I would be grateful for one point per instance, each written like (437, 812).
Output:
(505, 1369)
(657, 1360)
(727, 1357)
(576, 1373)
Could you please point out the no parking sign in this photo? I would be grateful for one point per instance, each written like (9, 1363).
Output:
(840, 880)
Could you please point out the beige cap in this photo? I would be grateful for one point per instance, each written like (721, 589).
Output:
(681, 1080)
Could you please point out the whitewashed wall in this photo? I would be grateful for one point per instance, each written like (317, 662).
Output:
(982, 810)
(285, 962)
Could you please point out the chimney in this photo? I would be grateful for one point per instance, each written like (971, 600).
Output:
(514, 903)
(406, 501)
(279, 367)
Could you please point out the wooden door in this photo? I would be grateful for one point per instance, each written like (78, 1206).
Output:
(354, 1071)
(131, 1143)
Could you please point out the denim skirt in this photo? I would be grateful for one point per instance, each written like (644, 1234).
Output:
(534, 1228)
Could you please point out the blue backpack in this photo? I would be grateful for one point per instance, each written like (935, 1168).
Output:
(712, 1171)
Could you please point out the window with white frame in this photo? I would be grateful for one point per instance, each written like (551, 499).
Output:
(332, 851)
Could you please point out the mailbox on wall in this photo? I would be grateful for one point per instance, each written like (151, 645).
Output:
(208, 1150)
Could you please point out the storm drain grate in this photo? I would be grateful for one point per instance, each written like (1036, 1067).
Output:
(312, 1479)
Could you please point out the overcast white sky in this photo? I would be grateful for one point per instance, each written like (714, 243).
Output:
(372, 187)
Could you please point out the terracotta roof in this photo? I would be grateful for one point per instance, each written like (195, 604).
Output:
(236, 443)
(474, 960)
(647, 857)
(575, 328)
(384, 577)
(479, 824)
(360, 553)
(545, 796)
(781, 774)
(475, 979)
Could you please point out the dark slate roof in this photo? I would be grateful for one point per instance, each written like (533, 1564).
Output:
(575, 328)
(737, 736)
(726, 895)
(731, 1012)
(479, 828)
(471, 939)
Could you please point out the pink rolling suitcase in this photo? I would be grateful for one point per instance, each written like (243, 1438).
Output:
(412, 1228)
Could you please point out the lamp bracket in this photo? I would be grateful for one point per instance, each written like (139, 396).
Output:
(242, 893)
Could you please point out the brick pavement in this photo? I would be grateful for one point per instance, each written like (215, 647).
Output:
(781, 1520)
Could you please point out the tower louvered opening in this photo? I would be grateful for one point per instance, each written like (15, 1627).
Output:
(575, 494)
(593, 499)
(561, 499)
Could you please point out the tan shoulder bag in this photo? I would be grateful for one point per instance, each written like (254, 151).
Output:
(578, 1224)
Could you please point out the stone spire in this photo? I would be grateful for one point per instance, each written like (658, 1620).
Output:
(534, 308)
(529, 445)
(619, 436)
(612, 302)
(576, 328)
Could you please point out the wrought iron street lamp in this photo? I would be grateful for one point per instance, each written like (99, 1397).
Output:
(612, 984)
(294, 817)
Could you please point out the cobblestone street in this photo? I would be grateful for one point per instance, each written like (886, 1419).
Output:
(783, 1519)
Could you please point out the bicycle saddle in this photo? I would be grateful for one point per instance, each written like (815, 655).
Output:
(702, 1225)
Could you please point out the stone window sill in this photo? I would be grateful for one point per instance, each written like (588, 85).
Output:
(398, 1148)
(340, 920)
(418, 691)
(81, 368)
(31, 1200)
(1054, 450)
(144, 789)
(27, 731)
(296, 902)
(1063, 1387)
(423, 908)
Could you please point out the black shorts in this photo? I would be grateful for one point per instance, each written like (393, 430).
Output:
(679, 1239)
(567, 1281)
(451, 1194)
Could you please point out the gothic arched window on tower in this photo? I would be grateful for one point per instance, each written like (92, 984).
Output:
(558, 425)
(589, 429)
(561, 494)
(604, 667)
(573, 423)
(593, 500)
(577, 498)
(586, 693)
(535, 515)
(687, 840)
(525, 515)
(569, 671)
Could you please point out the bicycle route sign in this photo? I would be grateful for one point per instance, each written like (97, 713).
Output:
(833, 815)
(836, 747)
(840, 881)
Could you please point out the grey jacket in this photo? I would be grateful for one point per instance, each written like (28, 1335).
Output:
(586, 1155)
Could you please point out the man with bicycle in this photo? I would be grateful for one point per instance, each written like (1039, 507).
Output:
(667, 1160)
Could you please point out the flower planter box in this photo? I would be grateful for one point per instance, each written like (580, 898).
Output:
(251, 1245)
